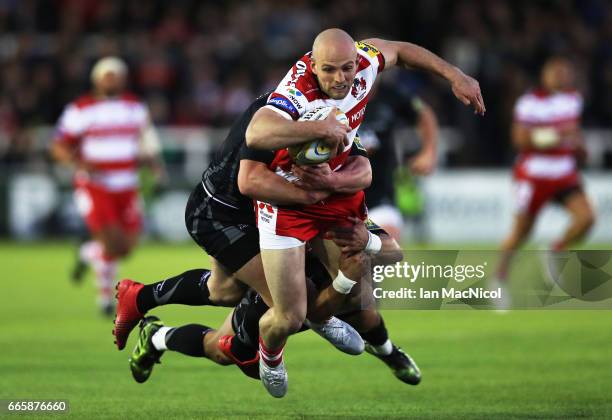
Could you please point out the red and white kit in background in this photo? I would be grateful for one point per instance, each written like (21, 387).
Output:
(106, 133)
(544, 174)
(299, 92)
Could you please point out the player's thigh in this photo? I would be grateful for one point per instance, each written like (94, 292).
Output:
(111, 236)
(529, 198)
(578, 205)
(522, 225)
(94, 205)
(234, 255)
(128, 207)
(224, 287)
(328, 253)
(252, 274)
(285, 275)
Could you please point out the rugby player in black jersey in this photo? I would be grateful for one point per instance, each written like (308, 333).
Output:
(222, 222)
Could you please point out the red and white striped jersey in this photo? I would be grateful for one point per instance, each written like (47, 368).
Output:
(299, 93)
(106, 133)
(542, 109)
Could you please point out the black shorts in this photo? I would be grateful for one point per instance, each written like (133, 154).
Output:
(232, 244)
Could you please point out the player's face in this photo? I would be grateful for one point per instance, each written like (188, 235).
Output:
(110, 84)
(336, 76)
(558, 74)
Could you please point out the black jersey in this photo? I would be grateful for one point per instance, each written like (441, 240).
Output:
(220, 179)
(386, 109)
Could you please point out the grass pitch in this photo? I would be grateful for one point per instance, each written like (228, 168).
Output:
(475, 364)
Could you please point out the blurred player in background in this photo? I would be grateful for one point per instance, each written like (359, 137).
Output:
(388, 109)
(105, 135)
(546, 132)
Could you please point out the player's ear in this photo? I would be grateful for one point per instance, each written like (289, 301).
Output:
(313, 66)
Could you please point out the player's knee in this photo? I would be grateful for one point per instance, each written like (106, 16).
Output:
(122, 249)
(291, 322)
(226, 297)
(225, 291)
(116, 247)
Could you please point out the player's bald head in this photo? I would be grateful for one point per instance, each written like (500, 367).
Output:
(334, 45)
(334, 62)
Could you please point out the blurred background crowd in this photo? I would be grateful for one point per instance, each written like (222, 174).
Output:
(202, 62)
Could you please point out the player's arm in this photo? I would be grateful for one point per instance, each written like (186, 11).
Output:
(65, 144)
(355, 175)
(271, 130)
(64, 153)
(150, 151)
(257, 181)
(427, 128)
(521, 136)
(408, 55)
(359, 238)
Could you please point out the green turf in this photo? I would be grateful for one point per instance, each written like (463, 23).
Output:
(475, 364)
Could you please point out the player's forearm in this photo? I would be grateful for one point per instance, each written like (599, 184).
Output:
(521, 137)
(427, 128)
(270, 131)
(259, 183)
(390, 252)
(355, 175)
(412, 56)
(63, 154)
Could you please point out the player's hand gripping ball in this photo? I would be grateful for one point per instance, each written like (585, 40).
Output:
(315, 151)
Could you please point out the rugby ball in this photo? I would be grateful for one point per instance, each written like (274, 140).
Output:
(315, 151)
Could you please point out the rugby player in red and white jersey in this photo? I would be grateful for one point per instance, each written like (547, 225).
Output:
(338, 72)
(546, 132)
(104, 136)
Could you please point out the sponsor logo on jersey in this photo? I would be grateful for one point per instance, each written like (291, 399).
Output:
(292, 98)
(357, 116)
(300, 70)
(283, 104)
(359, 88)
(372, 51)
(265, 213)
(266, 206)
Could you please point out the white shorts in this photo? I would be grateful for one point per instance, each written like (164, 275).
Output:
(270, 240)
(386, 215)
(266, 223)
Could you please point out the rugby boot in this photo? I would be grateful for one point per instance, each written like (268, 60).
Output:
(128, 314)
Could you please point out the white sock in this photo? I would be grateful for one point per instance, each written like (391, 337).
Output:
(90, 251)
(159, 338)
(106, 273)
(343, 284)
(384, 349)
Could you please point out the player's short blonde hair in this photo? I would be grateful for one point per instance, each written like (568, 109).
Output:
(106, 65)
